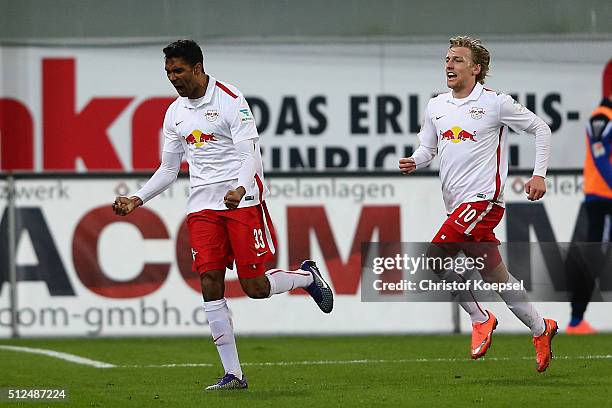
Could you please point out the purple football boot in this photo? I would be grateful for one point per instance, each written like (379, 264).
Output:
(318, 289)
(229, 382)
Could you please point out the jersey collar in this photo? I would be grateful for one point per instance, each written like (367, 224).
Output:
(210, 88)
(474, 95)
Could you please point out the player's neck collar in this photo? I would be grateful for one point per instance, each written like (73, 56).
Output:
(471, 97)
(210, 88)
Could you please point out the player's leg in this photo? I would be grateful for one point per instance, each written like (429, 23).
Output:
(543, 330)
(276, 281)
(455, 233)
(516, 300)
(222, 330)
(465, 298)
(308, 277)
(447, 242)
(252, 242)
(271, 282)
(495, 271)
(212, 253)
(484, 322)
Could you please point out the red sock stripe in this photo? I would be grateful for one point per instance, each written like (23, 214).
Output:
(473, 297)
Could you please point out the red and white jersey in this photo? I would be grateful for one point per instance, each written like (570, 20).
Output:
(470, 135)
(205, 131)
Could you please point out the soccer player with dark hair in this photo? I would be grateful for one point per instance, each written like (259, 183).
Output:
(211, 125)
(467, 128)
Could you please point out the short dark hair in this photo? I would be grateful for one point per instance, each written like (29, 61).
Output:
(188, 50)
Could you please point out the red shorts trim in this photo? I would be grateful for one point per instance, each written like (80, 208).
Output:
(220, 238)
(470, 229)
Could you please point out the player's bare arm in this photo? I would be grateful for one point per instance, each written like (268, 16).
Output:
(233, 197)
(125, 205)
(407, 165)
(535, 188)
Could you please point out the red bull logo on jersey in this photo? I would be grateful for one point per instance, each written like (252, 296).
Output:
(456, 135)
(199, 139)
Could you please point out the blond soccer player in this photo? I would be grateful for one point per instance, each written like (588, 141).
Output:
(467, 128)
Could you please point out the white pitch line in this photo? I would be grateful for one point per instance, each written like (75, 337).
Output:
(344, 362)
(58, 354)
(99, 364)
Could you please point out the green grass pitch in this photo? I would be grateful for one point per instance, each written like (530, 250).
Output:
(423, 371)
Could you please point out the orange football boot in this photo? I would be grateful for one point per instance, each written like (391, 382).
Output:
(481, 336)
(581, 328)
(543, 345)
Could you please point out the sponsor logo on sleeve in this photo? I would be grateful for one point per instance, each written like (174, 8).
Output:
(246, 115)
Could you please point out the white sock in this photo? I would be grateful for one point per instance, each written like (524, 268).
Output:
(522, 308)
(282, 281)
(466, 299)
(222, 331)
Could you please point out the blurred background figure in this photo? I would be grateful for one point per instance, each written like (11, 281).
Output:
(597, 202)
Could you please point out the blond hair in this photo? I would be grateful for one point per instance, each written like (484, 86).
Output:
(480, 55)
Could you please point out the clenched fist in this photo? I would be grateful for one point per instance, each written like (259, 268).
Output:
(232, 198)
(535, 188)
(407, 165)
(125, 205)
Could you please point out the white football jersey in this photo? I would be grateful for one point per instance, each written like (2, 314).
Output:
(205, 131)
(470, 135)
